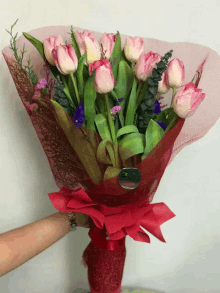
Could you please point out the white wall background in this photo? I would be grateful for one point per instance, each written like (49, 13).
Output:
(189, 261)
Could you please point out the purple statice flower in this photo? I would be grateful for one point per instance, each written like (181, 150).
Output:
(33, 107)
(36, 95)
(162, 125)
(41, 84)
(79, 116)
(115, 109)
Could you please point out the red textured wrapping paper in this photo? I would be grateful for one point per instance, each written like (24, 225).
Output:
(108, 204)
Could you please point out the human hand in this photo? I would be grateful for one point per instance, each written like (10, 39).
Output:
(83, 220)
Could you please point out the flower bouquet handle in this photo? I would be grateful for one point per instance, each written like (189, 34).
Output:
(97, 113)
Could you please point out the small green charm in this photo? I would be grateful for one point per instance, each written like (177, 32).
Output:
(129, 178)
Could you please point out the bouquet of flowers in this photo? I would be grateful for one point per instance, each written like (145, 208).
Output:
(97, 110)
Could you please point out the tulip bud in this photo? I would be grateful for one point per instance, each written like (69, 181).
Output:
(187, 99)
(93, 52)
(80, 37)
(104, 79)
(175, 73)
(50, 44)
(65, 59)
(145, 65)
(108, 41)
(133, 48)
(163, 87)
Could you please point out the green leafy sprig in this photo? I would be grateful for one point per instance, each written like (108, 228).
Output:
(146, 107)
(61, 97)
(27, 68)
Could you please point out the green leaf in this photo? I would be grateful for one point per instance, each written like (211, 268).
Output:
(117, 123)
(132, 144)
(129, 120)
(39, 46)
(104, 147)
(125, 80)
(126, 130)
(102, 125)
(75, 44)
(123, 87)
(89, 102)
(79, 73)
(165, 116)
(62, 117)
(120, 114)
(111, 172)
(81, 146)
(153, 135)
(161, 117)
(116, 56)
(123, 57)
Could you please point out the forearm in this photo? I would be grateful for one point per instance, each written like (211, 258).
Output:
(21, 244)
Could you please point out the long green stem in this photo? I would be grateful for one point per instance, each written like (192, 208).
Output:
(64, 82)
(67, 92)
(75, 87)
(174, 91)
(172, 123)
(110, 121)
(139, 88)
(133, 65)
(112, 130)
(141, 94)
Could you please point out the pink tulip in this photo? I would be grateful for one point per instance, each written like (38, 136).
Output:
(93, 51)
(108, 42)
(187, 99)
(80, 37)
(104, 79)
(133, 48)
(50, 44)
(175, 73)
(145, 65)
(65, 59)
(163, 87)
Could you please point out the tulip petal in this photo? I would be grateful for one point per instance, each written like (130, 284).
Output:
(104, 80)
(66, 64)
(93, 52)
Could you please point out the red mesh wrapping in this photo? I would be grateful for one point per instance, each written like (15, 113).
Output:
(67, 169)
(105, 267)
(110, 192)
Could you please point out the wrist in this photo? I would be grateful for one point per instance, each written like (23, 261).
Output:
(71, 219)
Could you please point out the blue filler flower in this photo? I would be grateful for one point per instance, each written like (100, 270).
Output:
(119, 100)
(157, 108)
(162, 125)
(79, 116)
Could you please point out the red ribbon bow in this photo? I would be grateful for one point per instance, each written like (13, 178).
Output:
(127, 219)
(70, 200)
(119, 221)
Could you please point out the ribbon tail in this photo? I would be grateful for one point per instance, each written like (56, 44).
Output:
(159, 214)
